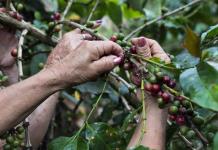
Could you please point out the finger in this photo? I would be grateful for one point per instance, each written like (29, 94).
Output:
(142, 46)
(157, 51)
(86, 37)
(105, 48)
(106, 63)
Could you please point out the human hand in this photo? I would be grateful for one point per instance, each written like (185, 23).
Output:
(77, 59)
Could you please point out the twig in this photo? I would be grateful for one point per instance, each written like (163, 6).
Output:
(89, 115)
(81, 27)
(199, 134)
(121, 80)
(161, 18)
(28, 144)
(66, 10)
(186, 141)
(143, 129)
(11, 22)
(93, 10)
(20, 54)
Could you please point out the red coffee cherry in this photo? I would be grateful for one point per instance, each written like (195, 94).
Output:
(14, 52)
(166, 97)
(180, 120)
(148, 87)
(56, 16)
(155, 88)
(133, 50)
(166, 80)
(172, 117)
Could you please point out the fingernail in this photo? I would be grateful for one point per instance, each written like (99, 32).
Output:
(98, 21)
(117, 60)
(141, 42)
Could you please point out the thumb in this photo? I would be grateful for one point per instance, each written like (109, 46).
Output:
(106, 63)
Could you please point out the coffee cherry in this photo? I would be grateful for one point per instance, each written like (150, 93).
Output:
(161, 103)
(14, 52)
(148, 87)
(198, 120)
(133, 50)
(183, 130)
(156, 70)
(51, 24)
(159, 75)
(180, 120)
(155, 88)
(173, 110)
(56, 16)
(172, 84)
(172, 117)
(120, 36)
(20, 7)
(20, 129)
(20, 136)
(152, 79)
(190, 112)
(186, 103)
(166, 80)
(113, 38)
(176, 103)
(159, 94)
(9, 139)
(166, 97)
(190, 134)
(7, 147)
(16, 143)
(179, 98)
(182, 110)
(41, 65)
(210, 136)
(57, 28)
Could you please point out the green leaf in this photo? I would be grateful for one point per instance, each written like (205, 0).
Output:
(139, 148)
(192, 43)
(130, 13)
(115, 13)
(60, 144)
(153, 9)
(201, 84)
(215, 142)
(210, 37)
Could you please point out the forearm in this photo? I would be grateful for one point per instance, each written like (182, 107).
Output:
(154, 137)
(26, 96)
(40, 119)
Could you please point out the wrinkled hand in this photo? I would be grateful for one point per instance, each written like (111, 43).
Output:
(149, 48)
(76, 60)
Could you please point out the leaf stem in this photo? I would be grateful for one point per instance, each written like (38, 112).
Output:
(161, 18)
(92, 11)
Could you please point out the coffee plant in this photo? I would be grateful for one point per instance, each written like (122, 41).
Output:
(104, 114)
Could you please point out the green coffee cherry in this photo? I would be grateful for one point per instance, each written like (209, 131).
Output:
(7, 147)
(173, 110)
(210, 136)
(183, 130)
(9, 139)
(190, 134)
(20, 7)
(198, 120)
(152, 79)
(160, 102)
(176, 103)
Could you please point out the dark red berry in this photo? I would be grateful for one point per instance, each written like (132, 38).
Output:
(155, 88)
(133, 49)
(182, 110)
(56, 16)
(180, 120)
(172, 117)
(166, 80)
(148, 87)
(14, 52)
(160, 93)
(172, 84)
(166, 97)
(113, 38)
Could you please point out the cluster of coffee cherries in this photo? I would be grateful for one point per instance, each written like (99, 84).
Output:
(155, 83)
(14, 138)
